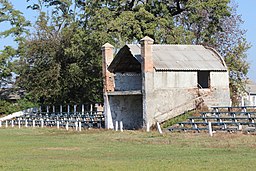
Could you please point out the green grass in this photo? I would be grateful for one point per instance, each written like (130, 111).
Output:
(52, 149)
(177, 119)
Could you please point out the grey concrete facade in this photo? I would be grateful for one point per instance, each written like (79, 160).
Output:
(128, 109)
(128, 81)
(154, 95)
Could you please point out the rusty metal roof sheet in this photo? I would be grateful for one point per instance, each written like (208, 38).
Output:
(182, 57)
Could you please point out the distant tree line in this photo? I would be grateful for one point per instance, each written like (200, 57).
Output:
(58, 58)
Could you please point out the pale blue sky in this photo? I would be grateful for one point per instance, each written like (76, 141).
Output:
(245, 7)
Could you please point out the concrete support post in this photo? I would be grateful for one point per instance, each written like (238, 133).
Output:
(0, 124)
(75, 108)
(91, 108)
(159, 128)
(121, 126)
(68, 109)
(210, 128)
(47, 109)
(12, 122)
(34, 123)
(6, 123)
(19, 123)
(116, 126)
(76, 125)
(79, 126)
(60, 108)
(82, 108)
(58, 124)
(67, 126)
(148, 127)
(26, 123)
(53, 109)
(42, 123)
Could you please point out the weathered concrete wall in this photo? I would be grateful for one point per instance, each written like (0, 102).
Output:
(172, 79)
(219, 94)
(128, 81)
(172, 102)
(219, 79)
(174, 92)
(127, 109)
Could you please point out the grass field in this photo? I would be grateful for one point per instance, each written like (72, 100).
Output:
(52, 149)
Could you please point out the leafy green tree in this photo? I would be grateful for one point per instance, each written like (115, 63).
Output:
(18, 29)
(61, 61)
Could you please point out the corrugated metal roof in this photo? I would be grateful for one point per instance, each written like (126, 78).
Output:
(182, 57)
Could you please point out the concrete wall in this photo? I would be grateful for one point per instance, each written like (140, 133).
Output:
(174, 90)
(172, 79)
(219, 79)
(128, 81)
(127, 109)
(248, 100)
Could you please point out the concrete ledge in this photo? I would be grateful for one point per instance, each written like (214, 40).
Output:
(125, 93)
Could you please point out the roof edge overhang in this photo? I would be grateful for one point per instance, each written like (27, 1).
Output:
(170, 70)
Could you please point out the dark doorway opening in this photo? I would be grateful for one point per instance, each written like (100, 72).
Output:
(203, 79)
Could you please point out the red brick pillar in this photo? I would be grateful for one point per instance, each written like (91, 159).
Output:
(108, 80)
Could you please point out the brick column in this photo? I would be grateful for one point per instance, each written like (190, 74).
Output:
(108, 83)
(146, 53)
(108, 80)
(147, 81)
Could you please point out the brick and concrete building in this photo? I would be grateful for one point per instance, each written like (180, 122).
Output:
(147, 83)
(249, 97)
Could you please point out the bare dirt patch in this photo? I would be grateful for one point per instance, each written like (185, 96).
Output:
(61, 148)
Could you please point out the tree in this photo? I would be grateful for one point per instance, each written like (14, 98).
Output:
(61, 61)
(18, 30)
(232, 45)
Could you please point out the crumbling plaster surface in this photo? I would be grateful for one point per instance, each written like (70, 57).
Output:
(127, 109)
(176, 92)
(128, 81)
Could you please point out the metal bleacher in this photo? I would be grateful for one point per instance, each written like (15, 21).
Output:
(223, 118)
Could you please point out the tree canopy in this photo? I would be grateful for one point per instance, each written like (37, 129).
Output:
(60, 59)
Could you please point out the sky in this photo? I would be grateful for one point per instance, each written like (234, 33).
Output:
(246, 8)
